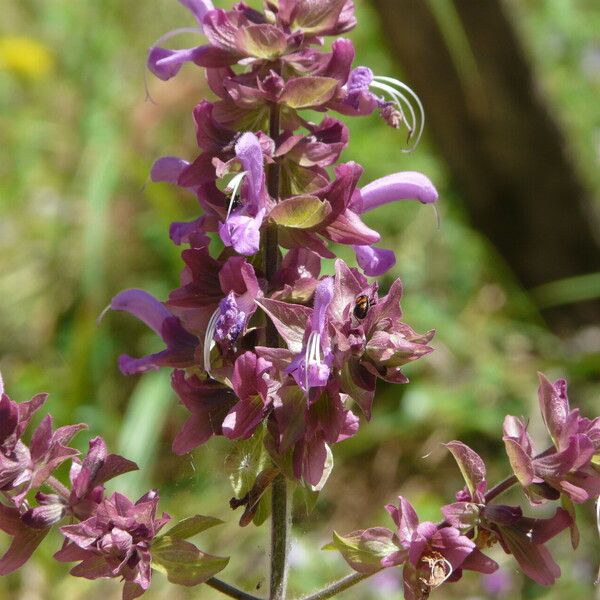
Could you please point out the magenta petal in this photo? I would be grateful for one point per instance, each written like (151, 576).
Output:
(25, 540)
(198, 8)
(242, 233)
(244, 417)
(165, 63)
(249, 152)
(189, 232)
(142, 305)
(478, 561)
(405, 518)
(374, 261)
(42, 517)
(314, 461)
(406, 185)
(168, 169)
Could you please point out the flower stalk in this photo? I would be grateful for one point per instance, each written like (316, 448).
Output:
(280, 509)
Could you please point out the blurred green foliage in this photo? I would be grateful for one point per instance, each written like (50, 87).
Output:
(80, 221)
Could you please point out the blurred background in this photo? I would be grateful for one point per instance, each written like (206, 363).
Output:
(510, 280)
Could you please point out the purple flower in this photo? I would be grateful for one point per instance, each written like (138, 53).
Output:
(15, 458)
(566, 471)
(243, 34)
(241, 228)
(321, 148)
(167, 63)
(431, 554)
(48, 450)
(311, 367)
(305, 431)
(254, 387)
(406, 185)
(205, 281)
(208, 401)
(521, 536)
(229, 320)
(87, 480)
(524, 538)
(328, 422)
(562, 422)
(297, 277)
(25, 539)
(398, 104)
(115, 542)
(181, 345)
(372, 342)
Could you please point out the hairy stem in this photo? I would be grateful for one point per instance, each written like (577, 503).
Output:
(58, 487)
(339, 586)
(511, 480)
(280, 506)
(280, 538)
(229, 590)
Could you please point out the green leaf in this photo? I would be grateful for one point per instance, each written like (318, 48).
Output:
(263, 509)
(183, 563)
(363, 550)
(300, 212)
(245, 461)
(191, 526)
(305, 92)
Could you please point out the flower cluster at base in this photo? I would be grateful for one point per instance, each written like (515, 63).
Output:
(269, 183)
(432, 554)
(110, 536)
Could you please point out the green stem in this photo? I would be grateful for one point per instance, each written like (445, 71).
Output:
(280, 505)
(339, 586)
(58, 487)
(229, 590)
(280, 538)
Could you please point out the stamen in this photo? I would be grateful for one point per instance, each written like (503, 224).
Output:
(418, 122)
(438, 220)
(102, 315)
(440, 570)
(313, 354)
(234, 185)
(209, 338)
(399, 99)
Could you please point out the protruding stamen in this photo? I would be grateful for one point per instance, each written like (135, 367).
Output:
(313, 354)
(404, 97)
(209, 339)
(234, 186)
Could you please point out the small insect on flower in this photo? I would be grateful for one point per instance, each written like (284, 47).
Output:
(362, 303)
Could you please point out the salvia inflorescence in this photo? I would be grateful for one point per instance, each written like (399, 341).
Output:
(269, 353)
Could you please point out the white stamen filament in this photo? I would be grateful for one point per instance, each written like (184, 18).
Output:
(313, 353)
(396, 91)
(234, 185)
(400, 101)
(209, 338)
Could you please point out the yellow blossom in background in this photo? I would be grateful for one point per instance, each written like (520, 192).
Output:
(25, 56)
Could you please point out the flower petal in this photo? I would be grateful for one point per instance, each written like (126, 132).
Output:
(406, 185)
(374, 261)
